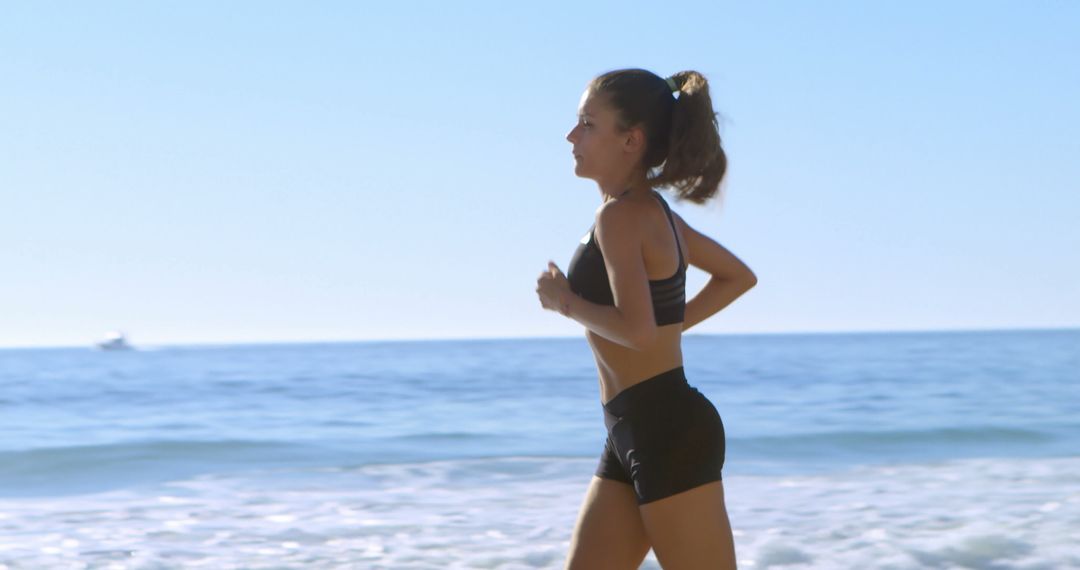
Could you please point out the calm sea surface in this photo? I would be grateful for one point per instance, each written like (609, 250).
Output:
(904, 450)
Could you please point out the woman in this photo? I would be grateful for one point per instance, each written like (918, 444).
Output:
(658, 484)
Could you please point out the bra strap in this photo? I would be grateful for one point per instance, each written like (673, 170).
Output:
(667, 210)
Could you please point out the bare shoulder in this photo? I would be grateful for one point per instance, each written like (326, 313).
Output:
(617, 208)
(619, 219)
(708, 255)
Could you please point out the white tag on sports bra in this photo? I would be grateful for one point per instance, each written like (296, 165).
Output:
(585, 238)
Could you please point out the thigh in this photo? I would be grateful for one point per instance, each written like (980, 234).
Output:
(609, 531)
(691, 530)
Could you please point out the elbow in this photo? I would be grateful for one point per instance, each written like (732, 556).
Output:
(746, 278)
(742, 275)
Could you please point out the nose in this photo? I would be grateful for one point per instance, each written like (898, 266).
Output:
(571, 134)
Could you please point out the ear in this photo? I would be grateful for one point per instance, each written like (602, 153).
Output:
(634, 140)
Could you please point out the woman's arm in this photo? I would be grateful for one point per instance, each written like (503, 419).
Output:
(604, 320)
(730, 276)
(631, 321)
(717, 294)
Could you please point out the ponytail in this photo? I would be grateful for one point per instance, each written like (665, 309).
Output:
(696, 161)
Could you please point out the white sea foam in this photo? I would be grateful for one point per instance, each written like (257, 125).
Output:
(515, 513)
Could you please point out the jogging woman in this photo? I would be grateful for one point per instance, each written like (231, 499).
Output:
(658, 484)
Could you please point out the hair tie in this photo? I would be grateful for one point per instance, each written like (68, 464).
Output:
(671, 84)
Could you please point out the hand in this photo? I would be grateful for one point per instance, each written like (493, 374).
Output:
(552, 287)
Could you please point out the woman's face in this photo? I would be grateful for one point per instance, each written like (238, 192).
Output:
(600, 150)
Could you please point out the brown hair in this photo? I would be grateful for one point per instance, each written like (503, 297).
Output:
(682, 148)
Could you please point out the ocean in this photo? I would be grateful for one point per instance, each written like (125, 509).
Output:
(905, 450)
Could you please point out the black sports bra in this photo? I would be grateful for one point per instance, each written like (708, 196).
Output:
(587, 275)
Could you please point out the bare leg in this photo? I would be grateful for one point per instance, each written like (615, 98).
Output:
(609, 532)
(691, 530)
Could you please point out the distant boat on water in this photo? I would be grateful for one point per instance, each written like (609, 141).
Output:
(114, 340)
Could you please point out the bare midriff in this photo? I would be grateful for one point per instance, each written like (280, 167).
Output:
(621, 367)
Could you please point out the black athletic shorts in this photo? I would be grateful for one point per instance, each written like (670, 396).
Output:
(664, 437)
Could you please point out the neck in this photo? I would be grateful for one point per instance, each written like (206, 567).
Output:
(635, 186)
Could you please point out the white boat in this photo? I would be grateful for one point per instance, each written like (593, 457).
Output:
(114, 341)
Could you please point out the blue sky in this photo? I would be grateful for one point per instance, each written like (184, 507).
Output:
(198, 172)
